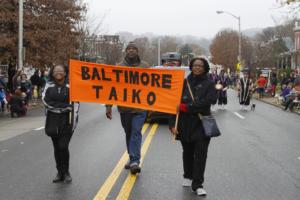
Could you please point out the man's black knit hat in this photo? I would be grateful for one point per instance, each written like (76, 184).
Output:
(132, 45)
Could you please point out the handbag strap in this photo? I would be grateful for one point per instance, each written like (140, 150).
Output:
(193, 99)
(190, 90)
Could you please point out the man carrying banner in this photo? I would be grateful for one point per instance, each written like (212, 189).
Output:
(132, 119)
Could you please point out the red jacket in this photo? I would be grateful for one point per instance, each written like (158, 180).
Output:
(261, 82)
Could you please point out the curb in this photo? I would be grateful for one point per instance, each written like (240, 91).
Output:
(276, 105)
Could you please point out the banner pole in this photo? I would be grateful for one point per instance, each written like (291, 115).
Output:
(176, 125)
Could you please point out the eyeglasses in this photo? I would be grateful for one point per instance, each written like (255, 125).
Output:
(198, 65)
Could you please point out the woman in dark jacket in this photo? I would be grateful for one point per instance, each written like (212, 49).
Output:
(190, 130)
(60, 120)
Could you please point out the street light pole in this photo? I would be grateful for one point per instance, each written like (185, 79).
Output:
(158, 52)
(20, 42)
(239, 58)
(240, 41)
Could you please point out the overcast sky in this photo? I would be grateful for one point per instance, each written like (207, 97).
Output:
(185, 17)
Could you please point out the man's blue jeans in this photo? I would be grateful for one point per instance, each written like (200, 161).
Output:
(132, 124)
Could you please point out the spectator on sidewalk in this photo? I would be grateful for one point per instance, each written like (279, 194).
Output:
(261, 84)
(286, 91)
(297, 81)
(44, 80)
(285, 80)
(2, 79)
(35, 95)
(293, 98)
(293, 77)
(11, 74)
(25, 86)
(36, 81)
(274, 82)
(3, 101)
(15, 80)
(17, 104)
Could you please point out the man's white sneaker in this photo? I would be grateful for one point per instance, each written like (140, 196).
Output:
(186, 182)
(201, 192)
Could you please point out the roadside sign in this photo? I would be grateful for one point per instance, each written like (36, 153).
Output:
(238, 66)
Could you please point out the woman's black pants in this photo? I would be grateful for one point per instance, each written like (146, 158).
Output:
(194, 161)
(61, 152)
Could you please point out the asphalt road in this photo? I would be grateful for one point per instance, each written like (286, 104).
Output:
(257, 157)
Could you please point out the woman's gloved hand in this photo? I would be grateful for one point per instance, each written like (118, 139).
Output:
(183, 107)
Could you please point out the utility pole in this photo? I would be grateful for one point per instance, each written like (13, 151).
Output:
(158, 52)
(20, 42)
(240, 42)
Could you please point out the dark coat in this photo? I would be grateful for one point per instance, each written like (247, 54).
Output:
(58, 106)
(189, 125)
(17, 104)
(36, 80)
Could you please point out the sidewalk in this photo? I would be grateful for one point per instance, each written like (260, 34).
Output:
(11, 127)
(272, 101)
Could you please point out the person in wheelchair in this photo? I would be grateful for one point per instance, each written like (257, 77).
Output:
(293, 98)
(285, 92)
(18, 104)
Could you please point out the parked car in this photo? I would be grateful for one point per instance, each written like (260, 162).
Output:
(160, 117)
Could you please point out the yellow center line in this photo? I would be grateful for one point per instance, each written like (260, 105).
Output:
(130, 180)
(111, 180)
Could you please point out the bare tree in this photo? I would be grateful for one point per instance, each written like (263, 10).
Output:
(50, 31)
(112, 53)
(89, 28)
(294, 5)
(224, 49)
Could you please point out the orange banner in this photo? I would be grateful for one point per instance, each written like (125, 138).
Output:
(145, 88)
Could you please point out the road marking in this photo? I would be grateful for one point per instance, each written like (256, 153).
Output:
(240, 116)
(4, 150)
(299, 158)
(130, 180)
(37, 129)
(111, 180)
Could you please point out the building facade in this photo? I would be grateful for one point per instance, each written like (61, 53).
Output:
(296, 52)
(291, 58)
